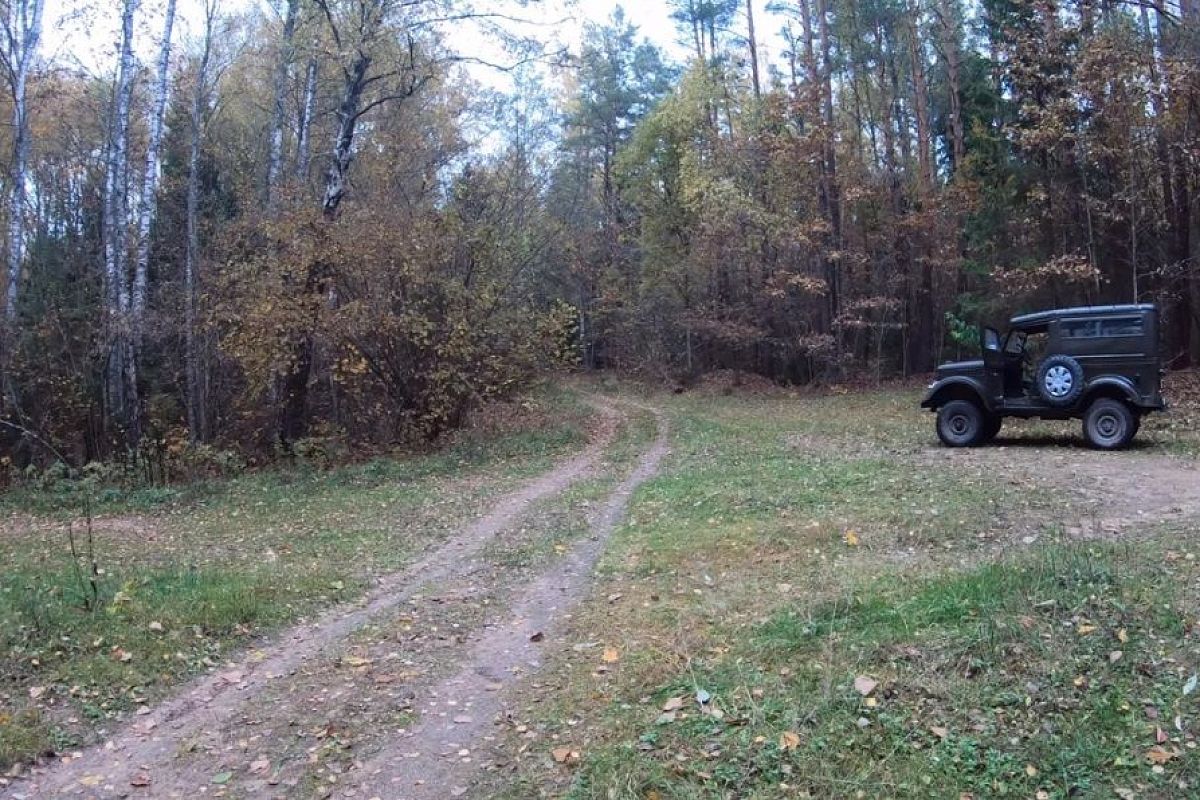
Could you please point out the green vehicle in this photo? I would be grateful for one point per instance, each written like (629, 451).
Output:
(1100, 364)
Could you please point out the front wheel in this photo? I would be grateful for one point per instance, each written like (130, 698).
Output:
(960, 423)
(1109, 424)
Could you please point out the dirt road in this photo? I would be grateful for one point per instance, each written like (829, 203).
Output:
(234, 733)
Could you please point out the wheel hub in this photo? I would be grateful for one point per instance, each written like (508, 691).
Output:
(959, 425)
(1059, 381)
(1108, 426)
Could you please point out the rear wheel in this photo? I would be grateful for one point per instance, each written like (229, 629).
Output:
(1109, 424)
(960, 423)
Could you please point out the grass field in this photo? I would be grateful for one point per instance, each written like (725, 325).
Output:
(814, 601)
(189, 573)
(810, 600)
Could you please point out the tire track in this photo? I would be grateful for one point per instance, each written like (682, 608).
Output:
(433, 758)
(143, 752)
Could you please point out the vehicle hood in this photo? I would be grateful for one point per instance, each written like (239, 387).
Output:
(960, 368)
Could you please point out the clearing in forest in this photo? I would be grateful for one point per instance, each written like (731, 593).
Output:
(631, 594)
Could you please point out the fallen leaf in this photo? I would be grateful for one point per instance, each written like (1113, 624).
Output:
(155, 626)
(260, 767)
(665, 718)
(1123, 636)
(673, 704)
(864, 685)
(537, 637)
(1160, 735)
(851, 538)
(1031, 770)
(1190, 686)
(564, 755)
(1085, 629)
(789, 740)
(355, 661)
(939, 731)
(141, 779)
(36, 691)
(222, 777)
(610, 655)
(91, 780)
(1159, 755)
(1115, 656)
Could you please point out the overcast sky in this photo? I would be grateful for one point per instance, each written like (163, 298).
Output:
(86, 30)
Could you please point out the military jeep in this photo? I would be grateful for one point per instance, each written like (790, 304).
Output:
(1100, 364)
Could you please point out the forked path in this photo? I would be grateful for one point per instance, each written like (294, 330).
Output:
(142, 760)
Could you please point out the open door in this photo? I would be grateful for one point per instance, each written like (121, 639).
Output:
(992, 346)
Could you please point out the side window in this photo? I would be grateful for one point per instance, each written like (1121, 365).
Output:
(1081, 328)
(1121, 326)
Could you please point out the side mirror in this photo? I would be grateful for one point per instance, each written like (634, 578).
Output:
(991, 340)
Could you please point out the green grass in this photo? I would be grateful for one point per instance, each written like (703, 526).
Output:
(213, 566)
(984, 689)
(994, 658)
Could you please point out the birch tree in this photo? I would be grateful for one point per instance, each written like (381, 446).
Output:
(197, 382)
(121, 370)
(149, 203)
(283, 76)
(304, 125)
(22, 31)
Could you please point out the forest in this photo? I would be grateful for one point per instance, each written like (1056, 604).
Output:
(313, 224)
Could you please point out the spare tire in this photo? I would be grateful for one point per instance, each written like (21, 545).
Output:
(1060, 381)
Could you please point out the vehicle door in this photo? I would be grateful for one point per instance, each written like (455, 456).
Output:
(992, 345)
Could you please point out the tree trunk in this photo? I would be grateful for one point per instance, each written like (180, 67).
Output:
(25, 24)
(753, 40)
(121, 383)
(283, 75)
(197, 410)
(343, 140)
(305, 122)
(952, 55)
(921, 104)
(149, 202)
(832, 193)
(1176, 185)
(293, 384)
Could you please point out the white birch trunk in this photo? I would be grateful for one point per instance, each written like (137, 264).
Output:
(116, 179)
(121, 373)
(283, 75)
(306, 115)
(148, 205)
(24, 29)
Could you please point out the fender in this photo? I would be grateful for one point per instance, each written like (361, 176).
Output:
(1121, 384)
(948, 389)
